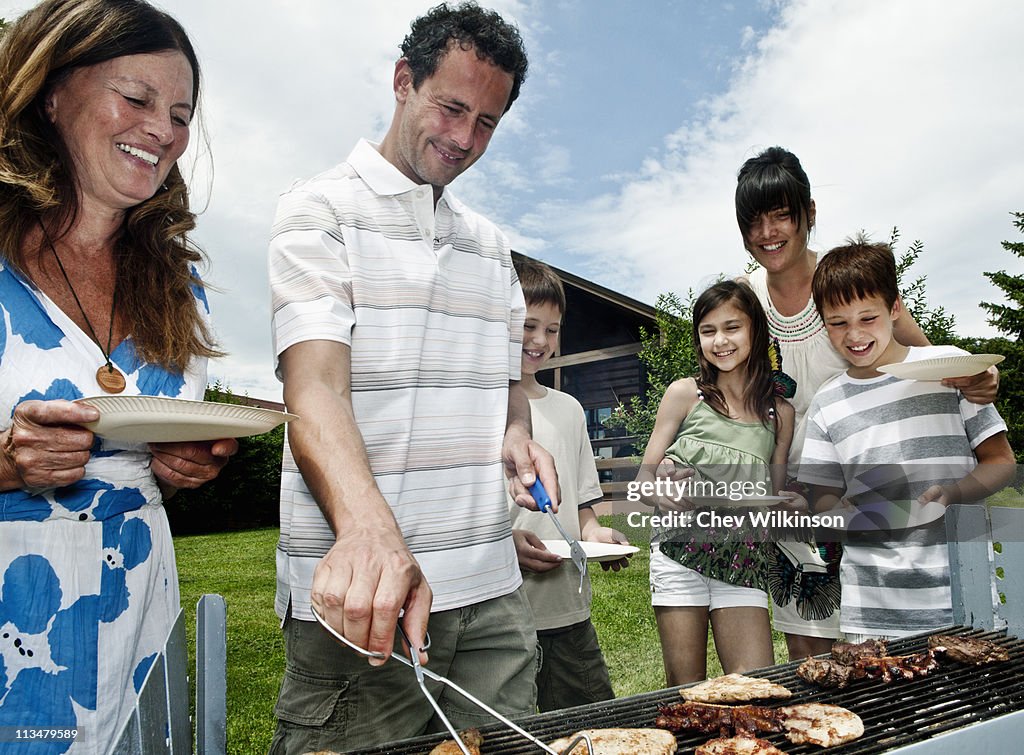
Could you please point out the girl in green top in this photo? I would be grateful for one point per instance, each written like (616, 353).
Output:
(730, 428)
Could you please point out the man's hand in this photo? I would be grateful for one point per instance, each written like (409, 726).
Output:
(189, 465)
(45, 447)
(362, 584)
(525, 461)
(978, 389)
(532, 554)
(369, 574)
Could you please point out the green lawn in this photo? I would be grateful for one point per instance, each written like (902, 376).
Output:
(240, 566)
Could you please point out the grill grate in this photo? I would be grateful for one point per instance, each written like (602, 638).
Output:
(894, 715)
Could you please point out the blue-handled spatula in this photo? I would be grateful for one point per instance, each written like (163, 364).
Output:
(579, 556)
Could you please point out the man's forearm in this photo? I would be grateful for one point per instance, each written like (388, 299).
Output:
(518, 408)
(329, 452)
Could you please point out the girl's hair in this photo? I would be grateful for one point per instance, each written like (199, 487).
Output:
(759, 395)
(38, 186)
(770, 181)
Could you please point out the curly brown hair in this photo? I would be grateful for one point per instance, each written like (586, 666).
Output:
(155, 260)
(472, 28)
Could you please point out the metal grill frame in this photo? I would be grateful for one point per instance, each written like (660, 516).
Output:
(955, 709)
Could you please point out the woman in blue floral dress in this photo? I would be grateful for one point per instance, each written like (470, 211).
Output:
(98, 294)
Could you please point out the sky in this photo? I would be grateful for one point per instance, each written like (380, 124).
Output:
(618, 162)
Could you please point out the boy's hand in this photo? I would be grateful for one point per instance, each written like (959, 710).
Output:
(532, 554)
(936, 493)
(608, 535)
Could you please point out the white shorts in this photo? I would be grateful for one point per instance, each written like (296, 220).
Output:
(675, 585)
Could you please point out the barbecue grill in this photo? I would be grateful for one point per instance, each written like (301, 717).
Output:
(955, 709)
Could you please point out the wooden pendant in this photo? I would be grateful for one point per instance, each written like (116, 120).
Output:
(110, 379)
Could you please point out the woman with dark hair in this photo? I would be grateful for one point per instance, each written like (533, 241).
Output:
(98, 294)
(776, 214)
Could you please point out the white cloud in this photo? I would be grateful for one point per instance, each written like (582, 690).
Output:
(903, 114)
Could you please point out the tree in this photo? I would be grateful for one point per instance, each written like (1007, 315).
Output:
(1005, 317)
(937, 323)
(667, 353)
(1008, 319)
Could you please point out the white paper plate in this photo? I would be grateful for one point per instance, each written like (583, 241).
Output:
(594, 551)
(710, 501)
(940, 368)
(157, 419)
(882, 517)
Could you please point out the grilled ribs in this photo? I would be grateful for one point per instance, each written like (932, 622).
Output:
(832, 673)
(892, 667)
(824, 725)
(723, 720)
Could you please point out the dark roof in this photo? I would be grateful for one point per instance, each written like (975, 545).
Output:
(646, 310)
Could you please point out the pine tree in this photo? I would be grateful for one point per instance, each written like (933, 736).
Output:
(1007, 318)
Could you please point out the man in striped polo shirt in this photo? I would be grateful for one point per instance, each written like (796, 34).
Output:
(398, 323)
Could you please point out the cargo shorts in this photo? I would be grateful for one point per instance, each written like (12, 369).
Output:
(332, 699)
(572, 671)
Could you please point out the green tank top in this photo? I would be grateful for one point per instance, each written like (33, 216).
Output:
(726, 452)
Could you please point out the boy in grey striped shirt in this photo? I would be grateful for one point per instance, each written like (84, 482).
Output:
(895, 449)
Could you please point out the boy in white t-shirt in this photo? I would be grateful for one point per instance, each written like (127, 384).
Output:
(887, 446)
(573, 671)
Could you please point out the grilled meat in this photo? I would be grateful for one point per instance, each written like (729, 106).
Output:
(721, 719)
(739, 745)
(831, 673)
(824, 725)
(733, 688)
(820, 724)
(826, 673)
(620, 742)
(888, 668)
(969, 650)
(470, 737)
(849, 653)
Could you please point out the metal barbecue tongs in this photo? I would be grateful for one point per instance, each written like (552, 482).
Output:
(422, 672)
(579, 556)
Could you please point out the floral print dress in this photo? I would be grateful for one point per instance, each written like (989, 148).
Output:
(88, 581)
(721, 450)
